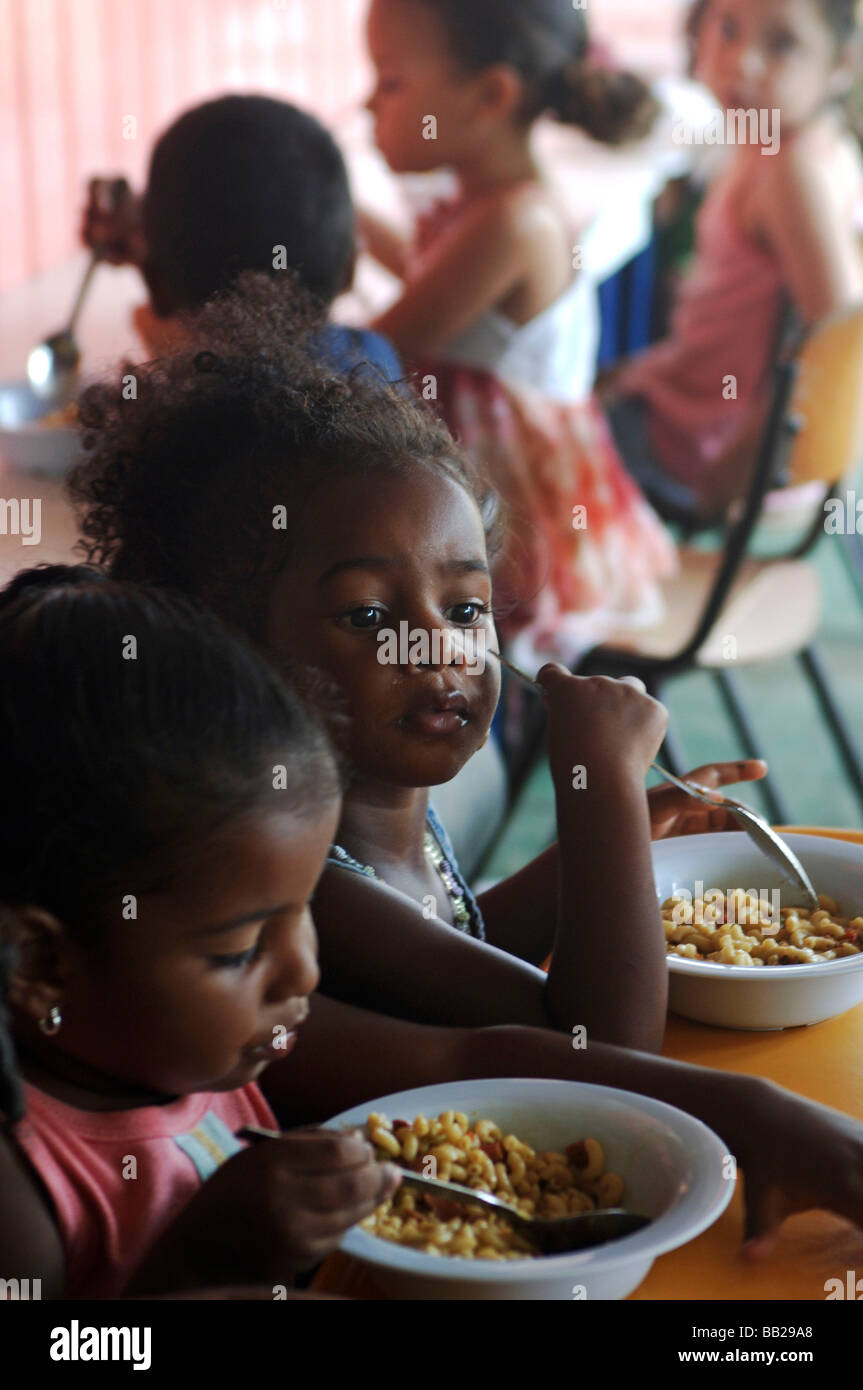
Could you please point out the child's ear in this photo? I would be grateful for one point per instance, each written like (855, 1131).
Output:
(160, 336)
(501, 92)
(36, 976)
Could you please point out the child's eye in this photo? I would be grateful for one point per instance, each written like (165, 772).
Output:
(781, 42)
(729, 28)
(465, 613)
(236, 962)
(363, 618)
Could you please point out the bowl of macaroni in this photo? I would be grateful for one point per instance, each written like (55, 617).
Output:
(743, 950)
(555, 1147)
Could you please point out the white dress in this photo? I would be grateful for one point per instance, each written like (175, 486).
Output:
(554, 353)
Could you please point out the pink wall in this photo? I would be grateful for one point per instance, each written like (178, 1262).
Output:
(72, 73)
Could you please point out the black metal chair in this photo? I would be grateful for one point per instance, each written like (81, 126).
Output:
(731, 608)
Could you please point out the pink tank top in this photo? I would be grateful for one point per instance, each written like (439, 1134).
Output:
(724, 324)
(118, 1178)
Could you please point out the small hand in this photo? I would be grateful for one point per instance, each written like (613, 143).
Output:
(114, 231)
(284, 1204)
(605, 724)
(826, 1171)
(672, 812)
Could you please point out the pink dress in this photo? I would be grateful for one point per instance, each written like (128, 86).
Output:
(724, 325)
(118, 1178)
(583, 551)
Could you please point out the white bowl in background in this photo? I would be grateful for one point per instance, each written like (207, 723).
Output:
(764, 997)
(27, 445)
(672, 1167)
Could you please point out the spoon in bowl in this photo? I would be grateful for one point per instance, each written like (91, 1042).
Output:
(756, 827)
(553, 1235)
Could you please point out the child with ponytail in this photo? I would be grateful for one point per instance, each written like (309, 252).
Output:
(495, 313)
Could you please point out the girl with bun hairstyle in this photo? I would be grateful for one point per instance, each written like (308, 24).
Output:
(495, 314)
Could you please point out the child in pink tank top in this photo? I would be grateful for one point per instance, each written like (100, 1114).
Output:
(157, 949)
(778, 225)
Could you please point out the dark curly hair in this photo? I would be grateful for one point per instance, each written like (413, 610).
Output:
(114, 768)
(547, 43)
(179, 487)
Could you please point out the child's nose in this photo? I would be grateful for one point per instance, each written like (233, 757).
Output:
(295, 972)
(750, 63)
(434, 646)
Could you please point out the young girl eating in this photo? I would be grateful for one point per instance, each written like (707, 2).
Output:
(497, 313)
(780, 225)
(155, 877)
(320, 515)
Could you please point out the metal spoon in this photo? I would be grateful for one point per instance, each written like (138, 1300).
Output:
(552, 1236)
(52, 365)
(756, 827)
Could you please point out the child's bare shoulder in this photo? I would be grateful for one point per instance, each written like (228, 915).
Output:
(30, 1243)
(819, 163)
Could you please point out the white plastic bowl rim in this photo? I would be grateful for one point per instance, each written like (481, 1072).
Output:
(665, 1232)
(804, 846)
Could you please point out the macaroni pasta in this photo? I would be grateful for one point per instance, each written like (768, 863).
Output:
(735, 928)
(477, 1154)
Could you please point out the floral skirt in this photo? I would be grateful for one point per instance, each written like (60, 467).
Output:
(583, 552)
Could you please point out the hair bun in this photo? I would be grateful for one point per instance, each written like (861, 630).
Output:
(610, 106)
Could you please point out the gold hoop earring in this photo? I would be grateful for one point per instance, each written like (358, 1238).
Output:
(53, 1023)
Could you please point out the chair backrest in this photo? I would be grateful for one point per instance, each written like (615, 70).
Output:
(827, 400)
(814, 433)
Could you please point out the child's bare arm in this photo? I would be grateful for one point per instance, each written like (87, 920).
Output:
(378, 950)
(811, 232)
(473, 271)
(385, 244)
(608, 972)
(30, 1242)
(795, 1154)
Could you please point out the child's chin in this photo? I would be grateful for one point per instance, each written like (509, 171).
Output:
(434, 766)
(247, 1069)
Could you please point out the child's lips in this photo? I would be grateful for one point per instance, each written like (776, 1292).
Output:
(280, 1042)
(441, 723)
(270, 1051)
(437, 716)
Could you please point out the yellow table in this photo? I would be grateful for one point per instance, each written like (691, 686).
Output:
(823, 1062)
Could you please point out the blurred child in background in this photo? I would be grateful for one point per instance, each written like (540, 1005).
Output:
(240, 183)
(778, 227)
(493, 311)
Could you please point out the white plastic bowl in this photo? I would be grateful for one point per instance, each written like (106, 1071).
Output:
(27, 445)
(762, 997)
(671, 1164)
